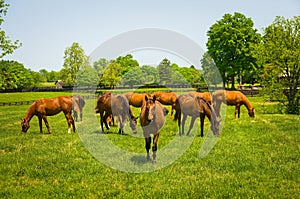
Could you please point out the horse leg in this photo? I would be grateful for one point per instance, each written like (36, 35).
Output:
(235, 111)
(121, 124)
(101, 121)
(191, 125)
(148, 143)
(239, 111)
(75, 115)
(105, 121)
(40, 124)
(183, 123)
(154, 147)
(70, 122)
(81, 115)
(47, 124)
(179, 121)
(202, 117)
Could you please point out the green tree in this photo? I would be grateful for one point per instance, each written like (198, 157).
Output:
(229, 44)
(150, 74)
(279, 52)
(111, 75)
(127, 62)
(165, 71)
(87, 77)
(211, 73)
(6, 45)
(74, 61)
(133, 77)
(14, 75)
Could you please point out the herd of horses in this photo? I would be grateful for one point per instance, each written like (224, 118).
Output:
(152, 112)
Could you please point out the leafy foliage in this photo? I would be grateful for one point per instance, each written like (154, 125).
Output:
(74, 61)
(279, 52)
(14, 75)
(6, 45)
(229, 44)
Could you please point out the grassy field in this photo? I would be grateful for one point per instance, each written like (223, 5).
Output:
(253, 158)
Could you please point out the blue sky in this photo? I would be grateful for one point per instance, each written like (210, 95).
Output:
(47, 27)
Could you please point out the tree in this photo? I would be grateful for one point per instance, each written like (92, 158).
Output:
(74, 61)
(127, 62)
(134, 76)
(229, 44)
(6, 45)
(279, 52)
(150, 74)
(211, 73)
(87, 77)
(14, 75)
(165, 71)
(111, 75)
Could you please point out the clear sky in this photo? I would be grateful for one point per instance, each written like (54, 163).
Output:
(47, 27)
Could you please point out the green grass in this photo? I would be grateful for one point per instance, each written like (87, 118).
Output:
(253, 158)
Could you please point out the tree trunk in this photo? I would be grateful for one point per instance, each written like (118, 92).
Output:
(232, 82)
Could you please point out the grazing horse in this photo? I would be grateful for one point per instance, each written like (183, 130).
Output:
(166, 98)
(232, 98)
(136, 99)
(195, 107)
(204, 95)
(78, 104)
(48, 107)
(152, 118)
(117, 106)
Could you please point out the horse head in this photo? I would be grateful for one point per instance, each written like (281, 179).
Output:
(25, 125)
(251, 112)
(133, 124)
(150, 108)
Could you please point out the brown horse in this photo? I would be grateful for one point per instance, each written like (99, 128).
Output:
(78, 104)
(166, 98)
(195, 107)
(136, 99)
(117, 106)
(232, 98)
(152, 119)
(204, 95)
(48, 107)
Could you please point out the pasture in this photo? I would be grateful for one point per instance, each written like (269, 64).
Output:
(253, 157)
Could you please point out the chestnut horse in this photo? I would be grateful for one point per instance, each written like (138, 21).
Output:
(78, 104)
(152, 118)
(166, 98)
(232, 98)
(204, 95)
(117, 106)
(195, 107)
(136, 99)
(48, 107)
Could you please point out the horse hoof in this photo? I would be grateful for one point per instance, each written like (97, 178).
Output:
(154, 161)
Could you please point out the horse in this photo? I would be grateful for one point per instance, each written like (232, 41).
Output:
(117, 106)
(136, 99)
(232, 98)
(195, 107)
(78, 104)
(166, 98)
(48, 107)
(204, 95)
(152, 117)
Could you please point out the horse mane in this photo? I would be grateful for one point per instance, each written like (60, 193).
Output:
(247, 103)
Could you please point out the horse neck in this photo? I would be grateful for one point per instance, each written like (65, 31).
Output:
(247, 103)
(30, 113)
(209, 111)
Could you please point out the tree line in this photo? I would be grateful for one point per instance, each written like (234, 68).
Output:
(235, 50)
